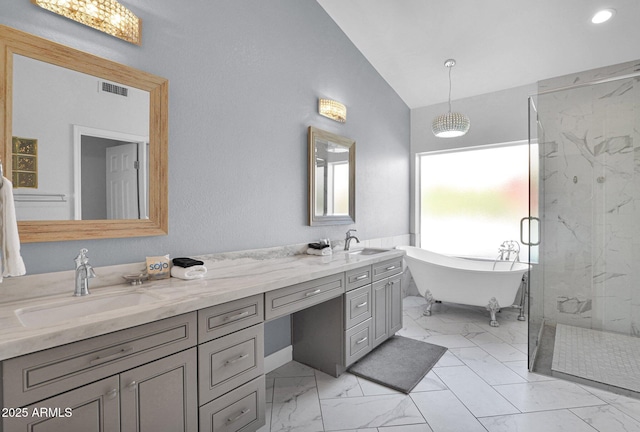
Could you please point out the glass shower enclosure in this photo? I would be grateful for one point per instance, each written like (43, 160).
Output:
(584, 290)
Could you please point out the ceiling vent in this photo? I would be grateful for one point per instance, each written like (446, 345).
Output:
(113, 88)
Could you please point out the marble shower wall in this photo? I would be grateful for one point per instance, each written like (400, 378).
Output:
(589, 140)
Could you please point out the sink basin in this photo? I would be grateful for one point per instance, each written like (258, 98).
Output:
(367, 251)
(73, 308)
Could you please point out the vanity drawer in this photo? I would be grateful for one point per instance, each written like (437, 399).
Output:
(230, 361)
(285, 301)
(239, 410)
(358, 277)
(387, 268)
(358, 342)
(220, 320)
(36, 376)
(357, 306)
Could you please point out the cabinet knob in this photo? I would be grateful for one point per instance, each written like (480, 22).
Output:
(132, 385)
(111, 394)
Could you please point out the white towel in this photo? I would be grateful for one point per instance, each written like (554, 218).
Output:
(193, 272)
(12, 264)
(321, 252)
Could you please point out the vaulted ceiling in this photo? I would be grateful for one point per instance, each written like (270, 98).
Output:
(498, 44)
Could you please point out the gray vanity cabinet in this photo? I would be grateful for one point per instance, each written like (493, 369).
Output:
(158, 396)
(95, 409)
(334, 334)
(142, 379)
(231, 380)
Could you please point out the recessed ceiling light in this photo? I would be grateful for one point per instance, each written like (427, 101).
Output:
(602, 16)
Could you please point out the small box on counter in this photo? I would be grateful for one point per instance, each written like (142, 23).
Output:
(158, 267)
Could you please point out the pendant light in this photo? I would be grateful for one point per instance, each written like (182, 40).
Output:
(451, 124)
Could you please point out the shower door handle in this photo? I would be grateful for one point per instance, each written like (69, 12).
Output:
(530, 219)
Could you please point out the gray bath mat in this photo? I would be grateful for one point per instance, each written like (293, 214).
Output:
(399, 363)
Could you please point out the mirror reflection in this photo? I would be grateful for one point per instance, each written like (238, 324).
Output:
(41, 149)
(88, 145)
(331, 178)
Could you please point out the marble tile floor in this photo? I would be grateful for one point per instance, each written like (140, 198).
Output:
(481, 384)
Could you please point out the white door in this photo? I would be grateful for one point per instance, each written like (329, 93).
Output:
(122, 182)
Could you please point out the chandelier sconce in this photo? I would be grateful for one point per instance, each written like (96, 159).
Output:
(332, 109)
(451, 124)
(108, 16)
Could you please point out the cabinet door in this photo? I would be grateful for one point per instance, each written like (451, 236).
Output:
(394, 304)
(380, 317)
(94, 408)
(162, 395)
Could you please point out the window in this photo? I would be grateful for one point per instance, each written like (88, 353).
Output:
(473, 199)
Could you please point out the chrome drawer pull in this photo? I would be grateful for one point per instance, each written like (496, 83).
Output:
(318, 291)
(237, 316)
(121, 353)
(243, 412)
(364, 276)
(390, 268)
(242, 357)
(362, 305)
(364, 339)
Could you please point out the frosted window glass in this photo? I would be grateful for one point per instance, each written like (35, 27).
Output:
(473, 200)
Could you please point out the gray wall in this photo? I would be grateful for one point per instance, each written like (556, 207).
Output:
(244, 79)
(497, 117)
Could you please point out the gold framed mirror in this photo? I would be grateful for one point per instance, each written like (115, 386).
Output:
(54, 155)
(332, 178)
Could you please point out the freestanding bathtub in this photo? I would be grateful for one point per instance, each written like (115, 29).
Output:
(465, 281)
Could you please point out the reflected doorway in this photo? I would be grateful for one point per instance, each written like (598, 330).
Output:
(111, 175)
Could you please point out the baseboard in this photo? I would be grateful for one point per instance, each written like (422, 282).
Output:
(278, 358)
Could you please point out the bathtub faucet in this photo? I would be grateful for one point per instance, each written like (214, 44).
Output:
(506, 250)
(350, 237)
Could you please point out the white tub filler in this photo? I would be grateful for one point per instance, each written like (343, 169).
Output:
(465, 281)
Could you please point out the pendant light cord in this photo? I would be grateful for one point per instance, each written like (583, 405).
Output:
(449, 87)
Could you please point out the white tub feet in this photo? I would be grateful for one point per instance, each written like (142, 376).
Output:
(430, 301)
(493, 307)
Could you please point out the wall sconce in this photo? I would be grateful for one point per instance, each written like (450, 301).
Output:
(332, 109)
(108, 16)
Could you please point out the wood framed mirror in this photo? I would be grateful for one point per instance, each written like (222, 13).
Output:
(332, 178)
(42, 151)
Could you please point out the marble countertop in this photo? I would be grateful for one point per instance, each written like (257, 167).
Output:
(227, 279)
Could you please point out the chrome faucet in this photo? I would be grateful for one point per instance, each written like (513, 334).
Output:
(350, 237)
(84, 272)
